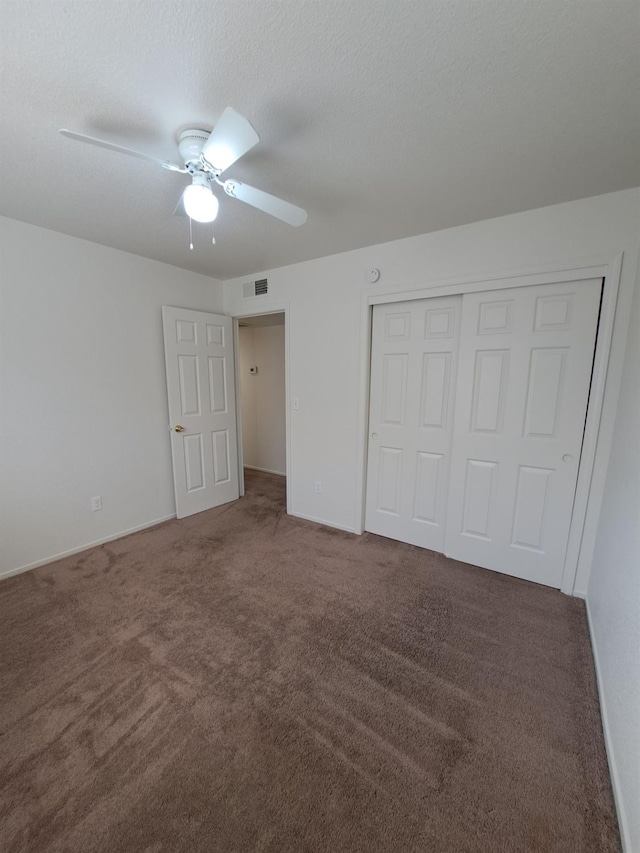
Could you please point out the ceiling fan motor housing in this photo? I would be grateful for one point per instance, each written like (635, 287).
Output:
(190, 145)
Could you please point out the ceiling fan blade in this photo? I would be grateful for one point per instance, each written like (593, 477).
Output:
(112, 146)
(266, 202)
(179, 208)
(232, 137)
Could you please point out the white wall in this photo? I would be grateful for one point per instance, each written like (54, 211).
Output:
(263, 397)
(248, 396)
(82, 390)
(327, 297)
(614, 594)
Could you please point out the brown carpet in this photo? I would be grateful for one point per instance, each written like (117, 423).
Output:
(245, 681)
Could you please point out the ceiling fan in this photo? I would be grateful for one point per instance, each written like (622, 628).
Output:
(206, 156)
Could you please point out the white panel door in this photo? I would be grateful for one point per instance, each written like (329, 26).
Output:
(523, 382)
(413, 368)
(198, 350)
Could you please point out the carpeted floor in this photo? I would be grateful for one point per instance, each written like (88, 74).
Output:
(245, 681)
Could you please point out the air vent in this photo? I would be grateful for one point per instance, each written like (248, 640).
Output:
(255, 288)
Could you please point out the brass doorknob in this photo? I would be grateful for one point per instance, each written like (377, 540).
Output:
(179, 428)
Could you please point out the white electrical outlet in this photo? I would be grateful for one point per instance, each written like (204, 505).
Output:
(318, 486)
(96, 503)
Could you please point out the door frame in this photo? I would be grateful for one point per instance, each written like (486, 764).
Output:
(282, 308)
(591, 477)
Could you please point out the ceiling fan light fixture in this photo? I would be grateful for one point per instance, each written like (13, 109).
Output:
(205, 156)
(199, 202)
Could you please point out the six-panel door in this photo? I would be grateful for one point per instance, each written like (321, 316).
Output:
(413, 368)
(523, 382)
(477, 412)
(201, 393)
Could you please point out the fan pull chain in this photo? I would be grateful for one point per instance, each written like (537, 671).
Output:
(213, 236)
(190, 236)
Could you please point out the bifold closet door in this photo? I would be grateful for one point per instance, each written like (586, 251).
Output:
(413, 368)
(524, 373)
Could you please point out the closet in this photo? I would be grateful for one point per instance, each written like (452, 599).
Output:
(477, 412)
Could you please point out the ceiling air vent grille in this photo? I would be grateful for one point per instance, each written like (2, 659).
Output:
(255, 288)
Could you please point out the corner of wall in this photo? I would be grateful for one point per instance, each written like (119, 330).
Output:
(608, 738)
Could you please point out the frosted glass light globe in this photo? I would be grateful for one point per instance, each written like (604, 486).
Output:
(200, 203)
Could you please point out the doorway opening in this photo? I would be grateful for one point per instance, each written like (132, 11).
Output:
(262, 409)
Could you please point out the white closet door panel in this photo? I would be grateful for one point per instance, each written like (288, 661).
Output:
(413, 369)
(523, 381)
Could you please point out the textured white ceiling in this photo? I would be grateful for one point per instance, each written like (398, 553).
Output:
(383, 118)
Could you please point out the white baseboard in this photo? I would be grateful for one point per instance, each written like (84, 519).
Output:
(72, 551)
(323, 522)
(265, 470)
(613, 770)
